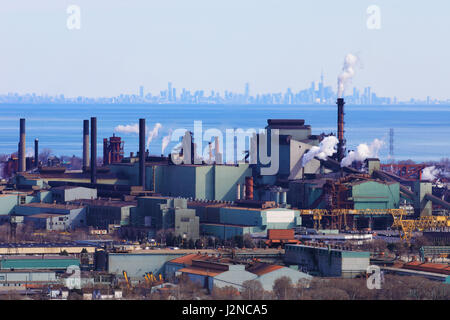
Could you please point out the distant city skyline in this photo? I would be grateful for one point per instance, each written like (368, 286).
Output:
(220, 45)
(317, 93)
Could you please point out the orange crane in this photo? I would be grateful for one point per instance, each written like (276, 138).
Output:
(125, 275)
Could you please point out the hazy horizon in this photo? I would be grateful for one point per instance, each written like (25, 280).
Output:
(221, 45)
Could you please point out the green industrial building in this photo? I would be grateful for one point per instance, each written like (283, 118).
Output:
(327, 262)
(37, 262)
(210, 182)
(166, 213)
(224, 221)
(361, 194)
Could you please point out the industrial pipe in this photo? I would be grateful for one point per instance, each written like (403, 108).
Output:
(22, 154)
(85, 145)
(340, 123)
(93, 150)
(142, 153)
(36, 152)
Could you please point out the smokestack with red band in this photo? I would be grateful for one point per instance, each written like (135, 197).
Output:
(93, 150)
(142, 153)
(340, 123)
(22, 154)
(85, 145)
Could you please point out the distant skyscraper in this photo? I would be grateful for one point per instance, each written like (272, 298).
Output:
(313, 92)
(321, 92)
(169, 91)
(247, 91)
(141, 92)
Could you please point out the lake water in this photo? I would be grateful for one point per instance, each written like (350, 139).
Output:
(420, 132)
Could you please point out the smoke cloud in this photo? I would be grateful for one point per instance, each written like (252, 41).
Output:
(153, 133)
(348, 71)
(129, 128)
(165, 141)
(29, 153)
(430, 173)
(326, 148)
(363, 151)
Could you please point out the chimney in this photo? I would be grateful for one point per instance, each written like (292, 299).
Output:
(93, 150)
(36, 152)
(85, 145)
(210, 152)
(142, 153)
(22, 154)
(218, 155)
(340, 123)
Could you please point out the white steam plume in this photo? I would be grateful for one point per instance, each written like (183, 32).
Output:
(29, 153)
(348, 71)
(166, 141)
(153, 133)
(129, 128)
(430, 173)
(326, 148)
(363, 151)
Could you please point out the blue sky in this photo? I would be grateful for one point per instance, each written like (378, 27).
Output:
(221, 44)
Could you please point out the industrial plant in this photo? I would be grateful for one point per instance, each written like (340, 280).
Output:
(146, 220)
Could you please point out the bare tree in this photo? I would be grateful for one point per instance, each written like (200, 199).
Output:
(43, 156)
(283, 289)
(225, 293)
(253, 290)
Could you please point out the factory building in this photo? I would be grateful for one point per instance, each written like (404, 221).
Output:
(319, 183)
(267, 274)
(10, 199)
(210, 182)
(327, 261)
(37, 262)
(295, 138)
(71, 193)
(101, 213)
(167, 213)
(44, 249)
(21, 279)
(112, 150)
(76, 214)
(49, 221)
(140, 262)
(213, 271)
(225, 221)
(356, 194)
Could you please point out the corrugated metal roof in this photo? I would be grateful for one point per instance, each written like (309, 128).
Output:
(281, 234)
(200, 271)
(187, 259)
(263, 268)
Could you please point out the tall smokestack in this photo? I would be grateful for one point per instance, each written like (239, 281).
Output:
(36, 152)
(22, 154)
(340, 123)
(93, 150)
(85, 144)
(142, 153)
